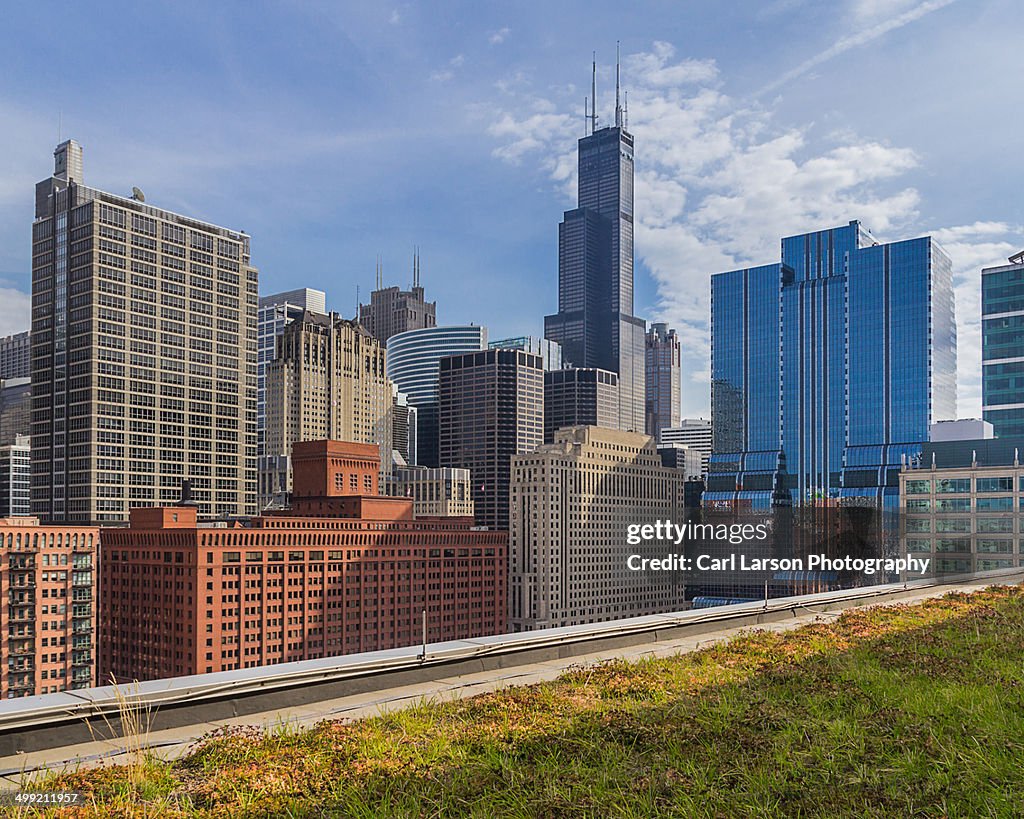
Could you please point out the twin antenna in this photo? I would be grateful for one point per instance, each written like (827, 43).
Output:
(590, 104)
(415, 269)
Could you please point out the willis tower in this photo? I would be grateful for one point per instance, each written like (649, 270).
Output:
(595, 323)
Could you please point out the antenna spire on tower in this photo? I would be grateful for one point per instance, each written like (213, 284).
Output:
(618, 108)
(380, 272)
(625, 111)
(593, 95)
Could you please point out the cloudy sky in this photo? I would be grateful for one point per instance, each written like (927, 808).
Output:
(333, 132)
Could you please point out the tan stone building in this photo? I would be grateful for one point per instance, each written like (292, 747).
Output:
(571, 503)
(328, 381)
(48, 611)
(436, 493)
(143, 355)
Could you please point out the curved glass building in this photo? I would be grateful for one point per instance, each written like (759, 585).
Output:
(413, 361)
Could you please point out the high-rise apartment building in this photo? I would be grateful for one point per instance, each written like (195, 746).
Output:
(828, 368)
(392, 310)
(15, 477)
(580, 397)
(435, 493)
(327, 381)
(143, 355)
(663, 358)
(572, 502)
(344, 570)
(15, 409)
(1002, 347)
(694, 433)
(550, 352)
(16, 356)
(491, 408)
(48, 611)
(595, 324)
(275, 313)
(413, 362)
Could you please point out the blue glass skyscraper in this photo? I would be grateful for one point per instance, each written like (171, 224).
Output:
(595, 323)
(828, 367)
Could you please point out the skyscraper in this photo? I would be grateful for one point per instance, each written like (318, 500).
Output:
(276, 312)
(16, 356)
(664, 379)
(1002, 347)
(549, 351)
(327, 381)
(572, 502)
(491, 408)
(595, 323)
(828, 368)
(143, 355)
(584, 396)
(412, 363)
(392, 310)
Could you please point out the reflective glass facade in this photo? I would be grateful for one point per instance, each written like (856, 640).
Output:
(1002, 349)
(828, 367)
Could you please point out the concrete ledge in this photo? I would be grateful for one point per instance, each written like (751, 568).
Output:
(92, 715)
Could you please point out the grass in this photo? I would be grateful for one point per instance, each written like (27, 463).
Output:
(897, 711)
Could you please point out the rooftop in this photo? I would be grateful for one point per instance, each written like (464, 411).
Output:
(907, 708)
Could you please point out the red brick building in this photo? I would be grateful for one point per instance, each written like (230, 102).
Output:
(343, 570)
(48, 608)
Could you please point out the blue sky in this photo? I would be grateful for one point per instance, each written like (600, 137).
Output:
(334, 132)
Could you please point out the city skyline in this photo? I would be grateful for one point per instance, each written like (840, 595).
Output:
(721, 126)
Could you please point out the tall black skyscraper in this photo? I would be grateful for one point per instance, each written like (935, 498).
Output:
(595, 323)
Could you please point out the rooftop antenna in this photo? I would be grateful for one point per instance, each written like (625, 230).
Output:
(618, 107)
(593, 95)
(586, 115)
(380, 273)
(625, 111)
(357, 302)
(60, 125)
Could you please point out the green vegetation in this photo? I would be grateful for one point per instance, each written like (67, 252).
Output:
(896, 711)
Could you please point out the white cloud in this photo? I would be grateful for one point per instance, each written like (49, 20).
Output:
(862, 37)
(16, 317)
(718, 184)
(395, 18)
(499, 36)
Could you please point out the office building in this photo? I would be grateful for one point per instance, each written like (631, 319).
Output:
(15, 477)
(15, 409)
(580, 397)
(403, 429)
(550, 352)
(143, 355)
(392, 310)
(663, 359)
(491, 408)
(16, 356)
(1002, 347)
(694, 433)
(48, 611)
(435, 493)
(686, 459)
(344, 570)
(828, 368)
(413, 362)
(595, 324)
(572, 503)
(275, 313)
(963, 429)
(962, 502)
(327, 381)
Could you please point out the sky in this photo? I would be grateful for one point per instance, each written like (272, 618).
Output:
(334, 132)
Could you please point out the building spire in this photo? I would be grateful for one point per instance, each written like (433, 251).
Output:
(593, 95)
(618, 107)
(380, 273)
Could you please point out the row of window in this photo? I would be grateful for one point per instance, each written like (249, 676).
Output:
(962, 486)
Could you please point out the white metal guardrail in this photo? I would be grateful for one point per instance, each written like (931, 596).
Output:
(312, 679)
